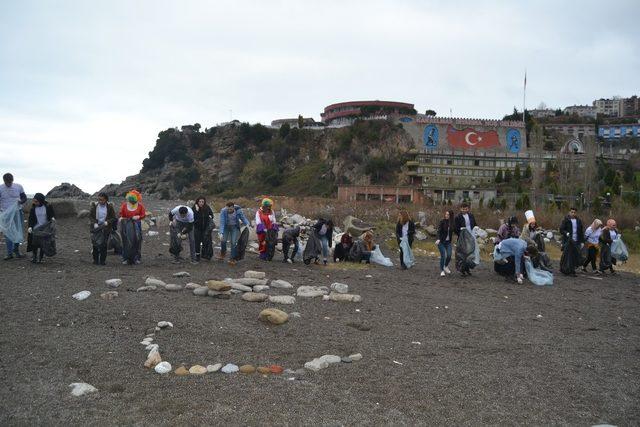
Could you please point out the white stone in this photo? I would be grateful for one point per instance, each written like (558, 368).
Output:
(164, 324)
(325, 298)
(146, 288)
(344, 297)
(113, 283)
(202, 291)
(282, 299)
(340, 288)
(281, 284)
(355, 357)
(316, 364)
(192, 286)
(163, 368)
(79, 389)
(82, 295)
(294, 314)
(214, 368)
(311, 291)
(152, 281)
(152, 233)
(239, 287)
(331, 358)
(250, 282)
(181, 274)
(260, 288)
(230, 368)
(152, 346)
(250, 274)
(172, 287)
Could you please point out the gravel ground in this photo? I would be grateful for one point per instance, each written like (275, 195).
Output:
(435, 351)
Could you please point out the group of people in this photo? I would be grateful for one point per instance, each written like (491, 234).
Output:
(513, 245)
(195, 224)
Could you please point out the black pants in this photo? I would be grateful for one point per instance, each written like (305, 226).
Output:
(100, 254)
(286, 244)
(36, 256)
(341, 253)
(592, 253)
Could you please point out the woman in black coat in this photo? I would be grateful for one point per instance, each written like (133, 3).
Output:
(444, 242)
(203, 226)
(405, 228)
(41, 213)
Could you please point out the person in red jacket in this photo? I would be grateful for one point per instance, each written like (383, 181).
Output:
(265, 221)
(132, 209)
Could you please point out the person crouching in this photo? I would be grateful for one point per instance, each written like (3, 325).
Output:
(181, 228)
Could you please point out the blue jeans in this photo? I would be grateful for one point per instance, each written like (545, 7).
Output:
(231, 234)
(325, 247)
(445, 254)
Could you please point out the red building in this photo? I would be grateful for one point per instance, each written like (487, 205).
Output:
(347, 112)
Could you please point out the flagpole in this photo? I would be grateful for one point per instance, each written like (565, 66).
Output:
(524, 96)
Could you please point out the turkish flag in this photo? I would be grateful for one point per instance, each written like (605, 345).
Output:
(469, 139)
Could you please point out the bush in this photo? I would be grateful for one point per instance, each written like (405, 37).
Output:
(206, 154)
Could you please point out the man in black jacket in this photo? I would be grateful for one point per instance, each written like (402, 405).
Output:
(324, 231)
(572, 233)
(464, 219)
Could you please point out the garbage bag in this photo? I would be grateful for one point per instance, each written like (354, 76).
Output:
(243, 241)
(205, 237)
(271, 242)
(538, 277)
(505, 267)
(466, 255)
(175, 243)
(11, 223)
(407, 253)
(312, 249)
(131, 240)
(619, 250)
(114, 242)
(379, 258)
(606, 260)
(44, 237)
(100, 235)
(570, 259)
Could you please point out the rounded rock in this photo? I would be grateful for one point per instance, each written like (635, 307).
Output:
(113, 283)
(263, 370)
(197, 370)
(276, 369)
(274, 316)
(214, 368)
(172, 287)
(254, 297)
(163, 368)
(181, 371)
(247, 369)
(230, 368)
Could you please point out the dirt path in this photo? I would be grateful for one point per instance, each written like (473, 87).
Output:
(484, 357)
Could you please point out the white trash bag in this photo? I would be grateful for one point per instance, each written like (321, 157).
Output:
(378, 258)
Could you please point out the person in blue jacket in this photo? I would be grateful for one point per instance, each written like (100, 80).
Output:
(516, 248)
(231, 218)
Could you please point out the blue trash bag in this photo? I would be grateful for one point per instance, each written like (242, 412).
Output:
(619, 250)
(11, 223)
(407, 253)
(538, 277)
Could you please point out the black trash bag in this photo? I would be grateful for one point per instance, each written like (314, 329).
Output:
(606, 260)
(271, 241)
(114, 242)
(100, 235)
(243, 242)
(465, 251)
(131, 240)
(312, 249)
(45, 237)
(570, 259)
(508, 268)
(175, 246)
(539, 241)
(205, 238)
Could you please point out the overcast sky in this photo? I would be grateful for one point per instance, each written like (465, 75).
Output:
(85, 86)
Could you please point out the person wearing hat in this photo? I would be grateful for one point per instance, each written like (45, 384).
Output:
(532, 234)
(132, 208)
(530, 229)
(41, 213)
(592, 237)
(508, 230)
(609, 234)
(265, 220)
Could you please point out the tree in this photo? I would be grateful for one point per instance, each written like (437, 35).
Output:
(507, 176)
(628, 172)
(284, 130)
(516, 173)
(499, 178)
(430, 113)
(548, 145)
(300, 121)
(528, 173)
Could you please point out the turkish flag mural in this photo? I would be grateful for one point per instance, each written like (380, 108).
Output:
(470, 139)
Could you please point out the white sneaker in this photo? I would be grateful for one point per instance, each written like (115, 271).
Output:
(446, 270)
(520, 281)
(289, 261)
(442, 274)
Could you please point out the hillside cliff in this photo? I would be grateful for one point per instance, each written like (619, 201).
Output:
(243, 159)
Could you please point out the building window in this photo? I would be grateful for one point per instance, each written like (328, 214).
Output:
(476, 162)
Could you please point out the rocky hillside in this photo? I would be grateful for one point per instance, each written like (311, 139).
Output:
(243, 159)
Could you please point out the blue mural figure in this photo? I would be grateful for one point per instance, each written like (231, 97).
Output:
(406, 119)
(513, 140)
(430, 137)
